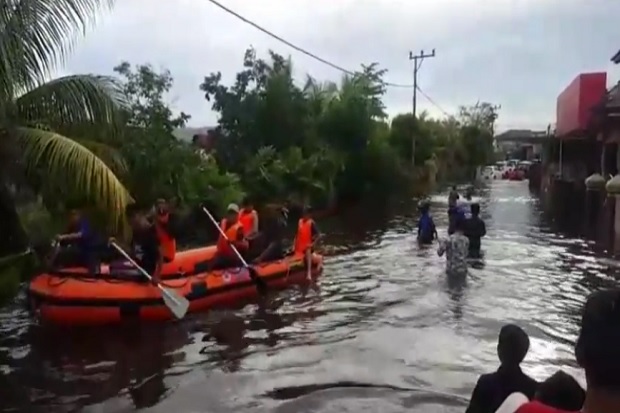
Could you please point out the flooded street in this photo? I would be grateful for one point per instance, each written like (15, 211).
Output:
(383, 330)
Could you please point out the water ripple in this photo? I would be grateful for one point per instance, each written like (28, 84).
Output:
(384, 329)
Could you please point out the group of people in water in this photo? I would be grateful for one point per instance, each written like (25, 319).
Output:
(597, 351)
(155, 231)
(465, 231)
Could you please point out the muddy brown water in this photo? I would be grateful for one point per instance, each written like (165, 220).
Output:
(383, 329)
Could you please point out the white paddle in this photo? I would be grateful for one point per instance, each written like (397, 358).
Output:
(177, 304)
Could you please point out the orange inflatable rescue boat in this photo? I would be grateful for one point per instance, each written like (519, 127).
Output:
(184, 264)
(81, 299)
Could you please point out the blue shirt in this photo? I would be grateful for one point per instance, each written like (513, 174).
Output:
(88, 240)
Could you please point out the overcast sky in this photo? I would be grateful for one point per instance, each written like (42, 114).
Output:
(517, 53)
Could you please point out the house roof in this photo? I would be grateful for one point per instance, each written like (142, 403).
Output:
(616, 57)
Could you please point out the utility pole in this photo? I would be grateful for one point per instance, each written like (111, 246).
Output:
(417, 63)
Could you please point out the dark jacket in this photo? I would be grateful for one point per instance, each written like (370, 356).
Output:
(493, 388)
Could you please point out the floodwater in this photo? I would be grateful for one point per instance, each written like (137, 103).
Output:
(383, 330)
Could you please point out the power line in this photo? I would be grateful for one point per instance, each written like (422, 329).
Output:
(432, 102)
(299, 49)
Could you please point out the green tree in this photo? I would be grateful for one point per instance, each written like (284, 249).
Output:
(160, 165)
(35, 38)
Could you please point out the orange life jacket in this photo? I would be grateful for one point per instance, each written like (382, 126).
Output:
(246, 219)
(223, 247)
(167, 243)
(303, 239)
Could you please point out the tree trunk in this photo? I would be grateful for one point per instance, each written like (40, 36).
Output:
(13, 238)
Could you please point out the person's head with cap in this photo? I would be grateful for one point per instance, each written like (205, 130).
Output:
(512, 345)
(232, 213)
(597, 349)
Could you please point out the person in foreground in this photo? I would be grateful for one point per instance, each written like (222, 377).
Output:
(560, 391)
(273, 234)
(475, 229)
(144, 247)
(456, 249)
(427, 232)
(225, 257)
(85, 240)
(492, 389)
(306, 238)
(598, 352)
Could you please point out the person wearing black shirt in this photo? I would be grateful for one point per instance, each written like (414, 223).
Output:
(273, 234)
(145, 243)
(475, 229)
(492, 389)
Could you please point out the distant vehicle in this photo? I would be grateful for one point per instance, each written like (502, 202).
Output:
(490, 172)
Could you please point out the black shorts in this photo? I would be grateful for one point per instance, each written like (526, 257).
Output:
(223, 262)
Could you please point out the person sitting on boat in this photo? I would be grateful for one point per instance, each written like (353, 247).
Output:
(492, 389)
(225, 257)
(456, 249)
(144, 246)
(166, 226)
(84, 238)
(427, 232)
(597, 351)
(274, 221)
(307, 236)
(475, 229)
(248, 218)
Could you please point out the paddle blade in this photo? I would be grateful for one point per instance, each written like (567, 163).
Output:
(261, 285)
(177, 304)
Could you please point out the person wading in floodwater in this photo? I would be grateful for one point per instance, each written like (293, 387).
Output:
(427, 232)
(453, 196)
(456, 249)
(475, 229)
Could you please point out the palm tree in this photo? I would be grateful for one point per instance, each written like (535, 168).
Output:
(35, 38)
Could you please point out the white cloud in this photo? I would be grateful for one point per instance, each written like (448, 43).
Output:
(519, 53)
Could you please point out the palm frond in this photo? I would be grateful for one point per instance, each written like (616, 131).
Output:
(109, 155)
(36, 37)
(65, 160)
(73, 100)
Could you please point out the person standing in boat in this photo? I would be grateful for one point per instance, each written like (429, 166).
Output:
(306, 238)
(225, 257)
(83, 237)
(166, 226)
(274, 221)
(456, 249)
(144, 247)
